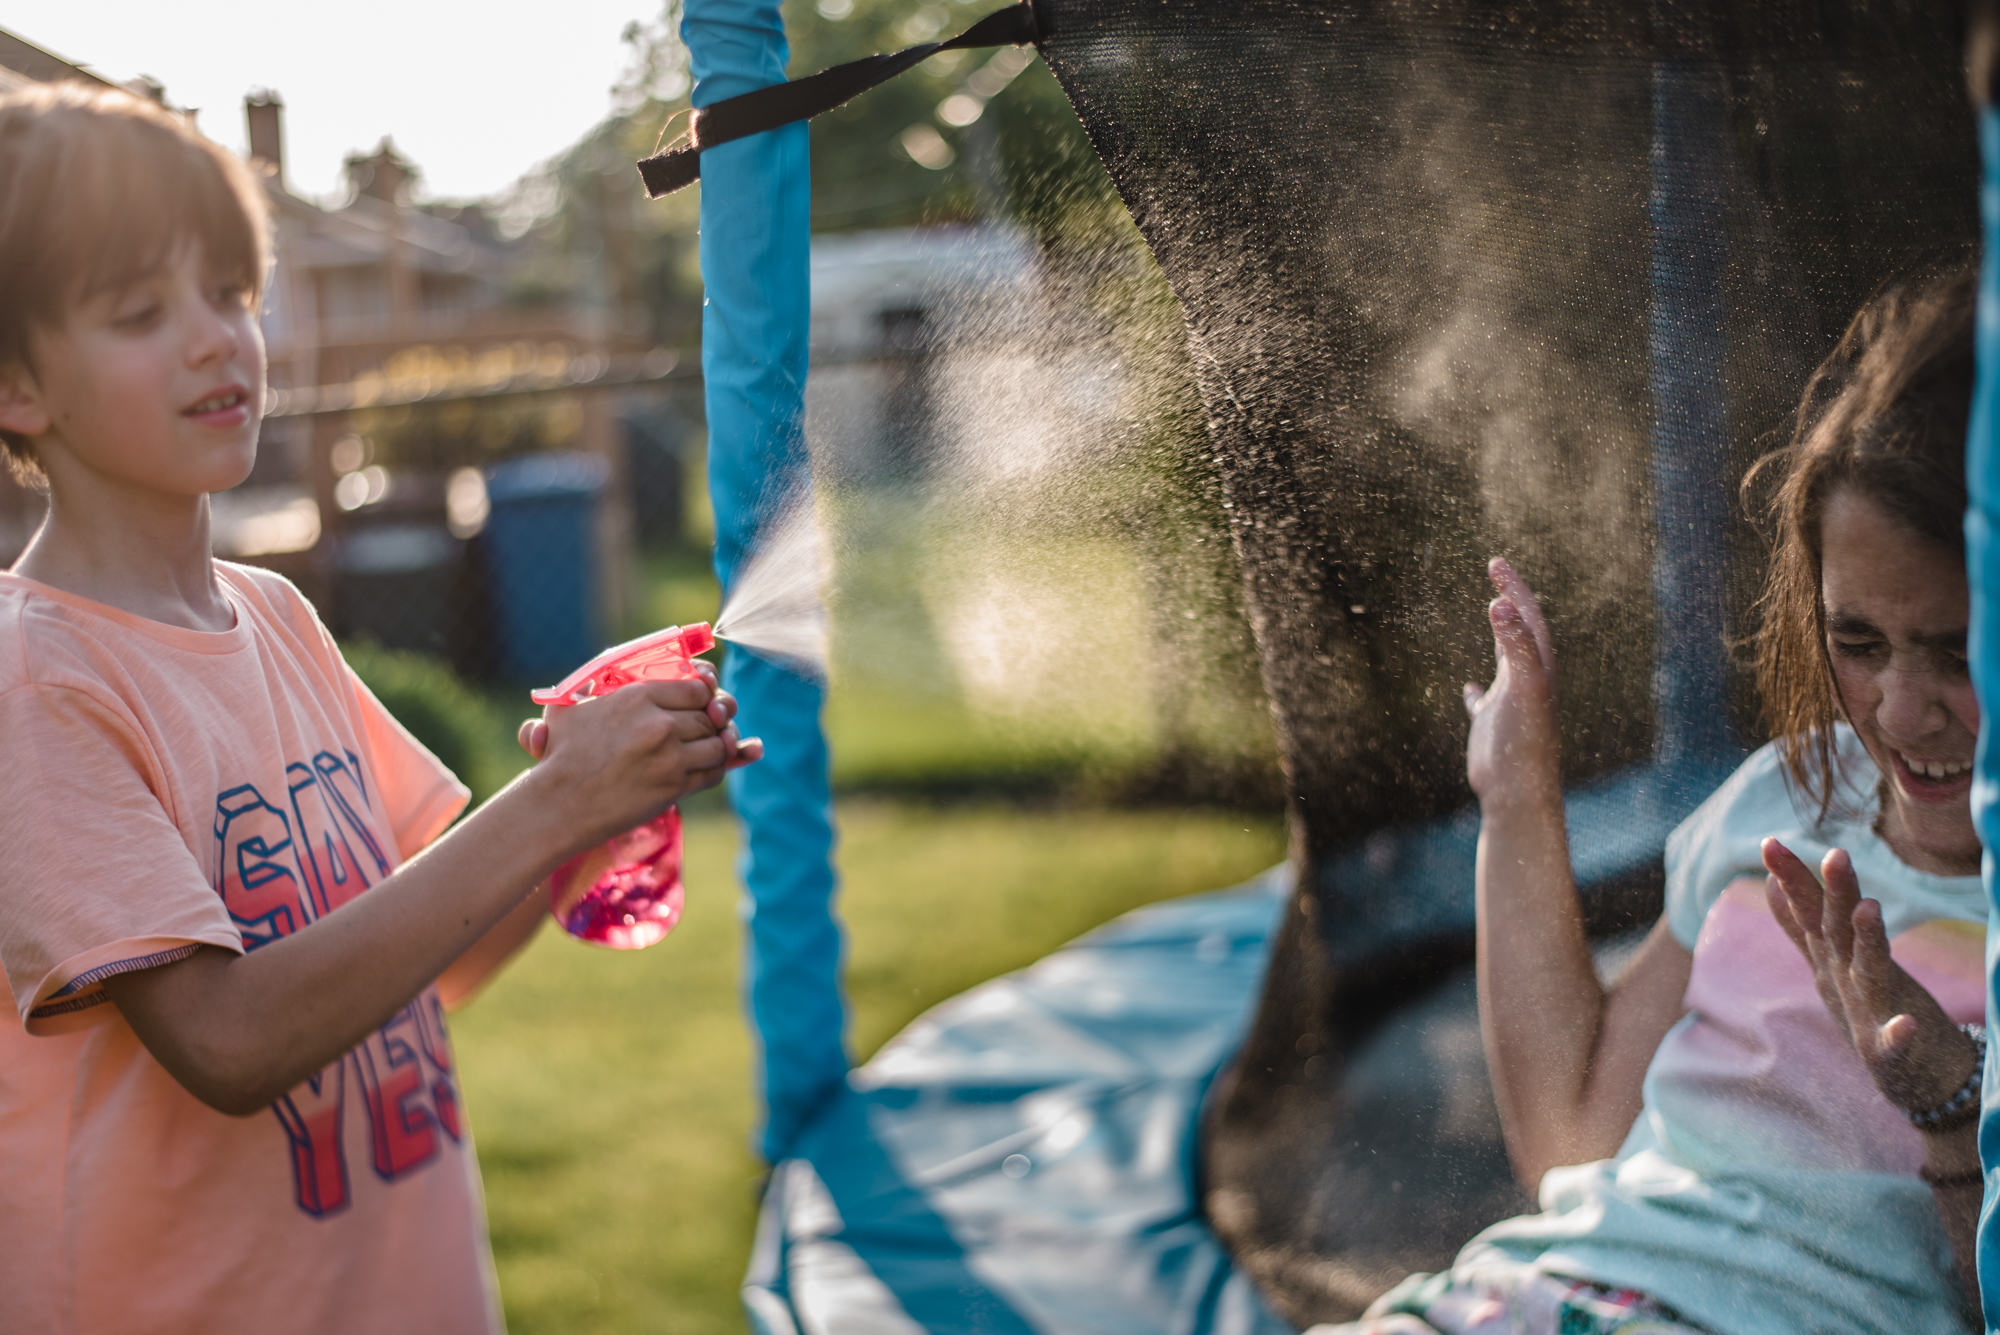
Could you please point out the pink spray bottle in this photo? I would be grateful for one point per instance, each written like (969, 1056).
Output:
(626, 892)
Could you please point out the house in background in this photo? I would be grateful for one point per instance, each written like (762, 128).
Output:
(23, 62)
(351, 288)
(390, 326)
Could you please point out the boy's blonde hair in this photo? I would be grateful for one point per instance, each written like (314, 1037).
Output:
(98, 189)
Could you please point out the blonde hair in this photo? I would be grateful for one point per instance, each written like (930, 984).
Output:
(99, 189)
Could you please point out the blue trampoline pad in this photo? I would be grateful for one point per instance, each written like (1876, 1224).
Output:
(1021, 1158)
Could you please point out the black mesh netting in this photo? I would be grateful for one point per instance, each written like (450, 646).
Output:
(1462, 279)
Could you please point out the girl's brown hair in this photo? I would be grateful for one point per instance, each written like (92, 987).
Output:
(1885, 414)
(98, 189)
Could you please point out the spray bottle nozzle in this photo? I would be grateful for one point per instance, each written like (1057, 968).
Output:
(697, 639)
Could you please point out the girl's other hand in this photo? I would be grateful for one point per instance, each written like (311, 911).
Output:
(1916, 1055)
(1514, 752)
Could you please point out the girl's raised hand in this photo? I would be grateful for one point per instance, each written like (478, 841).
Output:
(1916, 1055)
(1514, 752)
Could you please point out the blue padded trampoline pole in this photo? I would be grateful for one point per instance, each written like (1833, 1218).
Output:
(1982, 554)
(1688, 343)
(755, 224)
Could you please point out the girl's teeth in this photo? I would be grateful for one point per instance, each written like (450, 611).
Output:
(1931, 769)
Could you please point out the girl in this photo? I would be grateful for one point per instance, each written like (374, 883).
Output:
(1768, 1117)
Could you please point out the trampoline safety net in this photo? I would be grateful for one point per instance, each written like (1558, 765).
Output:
(1536, 279)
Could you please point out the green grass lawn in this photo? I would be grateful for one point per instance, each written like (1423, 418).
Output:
(610, 1092)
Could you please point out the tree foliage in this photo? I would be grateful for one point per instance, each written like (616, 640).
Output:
(594, 238)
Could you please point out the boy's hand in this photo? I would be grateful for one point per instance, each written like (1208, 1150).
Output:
(1513, 753)
(533, 734)
(740, 751)
(614, 762)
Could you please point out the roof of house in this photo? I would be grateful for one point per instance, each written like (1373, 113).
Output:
(362, 231)
(24, 62)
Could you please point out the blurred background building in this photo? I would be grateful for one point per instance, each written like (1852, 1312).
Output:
(412, 361)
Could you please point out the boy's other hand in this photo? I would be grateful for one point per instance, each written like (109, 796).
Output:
(533, 734)
(619, 760)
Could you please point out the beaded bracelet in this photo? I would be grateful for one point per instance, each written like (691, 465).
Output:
(1962, 1108)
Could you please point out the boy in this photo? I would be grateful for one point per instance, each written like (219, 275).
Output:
(237, 1109)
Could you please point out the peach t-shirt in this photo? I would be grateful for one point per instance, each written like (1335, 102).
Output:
(162, 789)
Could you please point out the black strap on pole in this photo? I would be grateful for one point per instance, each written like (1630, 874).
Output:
(801, 99)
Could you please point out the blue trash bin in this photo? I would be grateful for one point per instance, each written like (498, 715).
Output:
(540, 550)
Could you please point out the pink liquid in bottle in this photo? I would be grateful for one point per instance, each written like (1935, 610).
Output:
(626, 893)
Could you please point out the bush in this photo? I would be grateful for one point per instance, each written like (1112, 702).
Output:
(461, 727)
